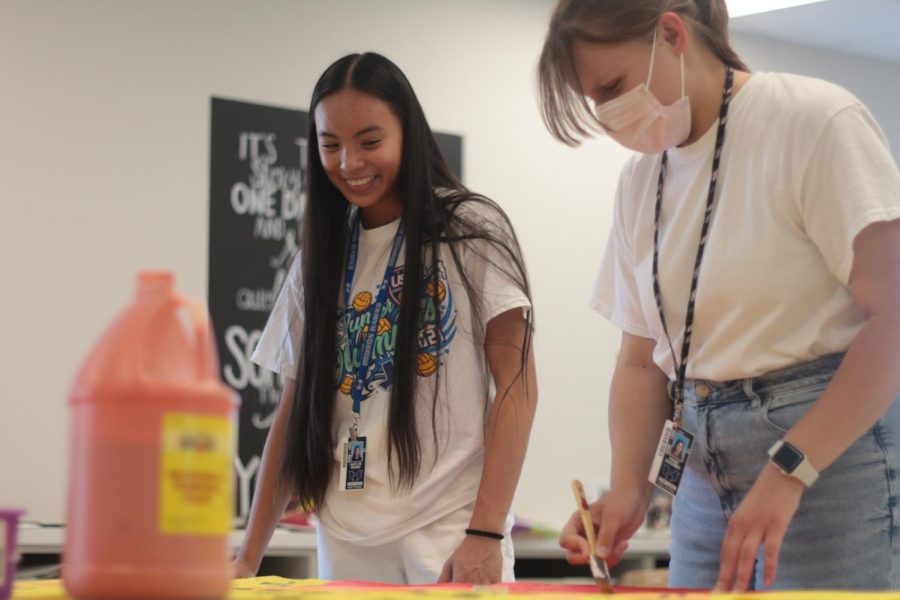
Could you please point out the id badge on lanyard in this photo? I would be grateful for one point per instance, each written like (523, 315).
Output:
(670, 458)
(353, 456)
(674, 446)
(353, 465)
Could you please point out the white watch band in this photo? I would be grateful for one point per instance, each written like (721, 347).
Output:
(804, 471)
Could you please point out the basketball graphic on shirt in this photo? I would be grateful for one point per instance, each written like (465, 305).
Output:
(426, 364)
(362, 301)
(347, 384)
(438, 294)
(384, 325)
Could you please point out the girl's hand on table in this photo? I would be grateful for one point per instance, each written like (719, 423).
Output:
(477, 560)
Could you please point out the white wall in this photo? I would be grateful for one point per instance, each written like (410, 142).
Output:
(875, 82)
(104, 134)
(104, 171)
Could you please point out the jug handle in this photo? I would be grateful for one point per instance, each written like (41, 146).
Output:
(196, 310)
(207, 365)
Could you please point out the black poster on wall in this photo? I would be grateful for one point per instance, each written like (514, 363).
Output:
(256, 193)
(451, 147)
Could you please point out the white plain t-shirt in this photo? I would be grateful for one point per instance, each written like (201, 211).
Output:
(804, 169)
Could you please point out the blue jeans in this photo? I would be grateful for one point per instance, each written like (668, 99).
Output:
(845, 532)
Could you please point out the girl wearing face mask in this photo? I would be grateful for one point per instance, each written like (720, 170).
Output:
(754, 268)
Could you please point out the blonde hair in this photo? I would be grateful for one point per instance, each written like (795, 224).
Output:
(565, 110)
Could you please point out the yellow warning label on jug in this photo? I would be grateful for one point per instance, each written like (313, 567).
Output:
(196, 486)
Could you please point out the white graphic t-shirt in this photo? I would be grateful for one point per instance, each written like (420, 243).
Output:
(448, 480)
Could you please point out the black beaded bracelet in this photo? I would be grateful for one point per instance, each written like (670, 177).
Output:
(487, 534)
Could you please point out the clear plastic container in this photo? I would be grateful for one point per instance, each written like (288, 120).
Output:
(152, 441)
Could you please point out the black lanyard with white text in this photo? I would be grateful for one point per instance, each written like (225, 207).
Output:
(677, 389)
(675, 443)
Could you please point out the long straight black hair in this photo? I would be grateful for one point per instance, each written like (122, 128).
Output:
(433, 214)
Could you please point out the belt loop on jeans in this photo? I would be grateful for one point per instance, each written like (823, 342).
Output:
(755, 400)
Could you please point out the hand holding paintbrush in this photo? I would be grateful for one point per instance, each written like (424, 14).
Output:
(598, 566)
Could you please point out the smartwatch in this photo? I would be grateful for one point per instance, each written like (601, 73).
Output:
(793, 462)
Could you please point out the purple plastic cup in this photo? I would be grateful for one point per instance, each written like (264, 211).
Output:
(9, 525)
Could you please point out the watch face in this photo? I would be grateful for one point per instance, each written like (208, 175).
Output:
(788, 458)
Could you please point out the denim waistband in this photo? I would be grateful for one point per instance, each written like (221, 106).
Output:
(698, 392)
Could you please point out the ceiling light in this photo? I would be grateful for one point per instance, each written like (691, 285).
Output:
(740, 8)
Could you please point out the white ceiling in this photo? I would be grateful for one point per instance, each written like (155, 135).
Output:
(866, 27)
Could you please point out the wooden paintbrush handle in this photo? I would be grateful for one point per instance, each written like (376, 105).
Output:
(585, 511)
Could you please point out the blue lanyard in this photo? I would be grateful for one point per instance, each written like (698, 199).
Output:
(356, 391)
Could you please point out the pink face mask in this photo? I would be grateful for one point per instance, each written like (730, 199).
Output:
(638, 121)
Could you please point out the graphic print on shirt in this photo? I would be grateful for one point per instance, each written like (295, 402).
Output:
(433, 338)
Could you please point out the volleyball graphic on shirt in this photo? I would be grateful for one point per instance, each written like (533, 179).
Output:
(384, 326)
(362, 301)
(426, 364)
(439, 291)
(346, 384)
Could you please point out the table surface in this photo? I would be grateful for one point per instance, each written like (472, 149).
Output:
(302, 542)
(277, 588)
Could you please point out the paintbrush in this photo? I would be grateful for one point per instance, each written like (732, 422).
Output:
(598, 566)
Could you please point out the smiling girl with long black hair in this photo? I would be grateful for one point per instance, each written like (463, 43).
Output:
(404, 336)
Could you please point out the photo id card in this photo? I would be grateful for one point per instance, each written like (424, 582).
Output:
(353, 465)
(670, 458)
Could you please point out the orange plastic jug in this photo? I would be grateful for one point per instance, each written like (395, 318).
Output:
(152, 438)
